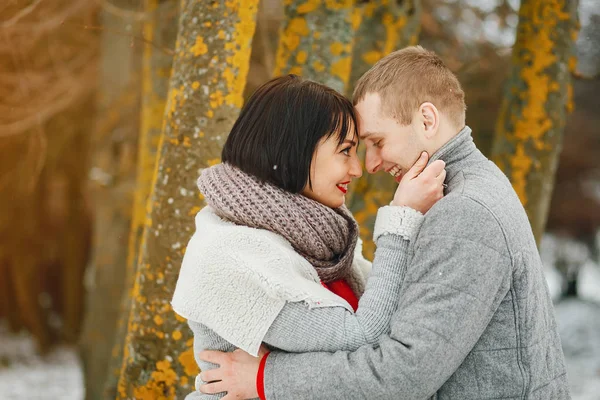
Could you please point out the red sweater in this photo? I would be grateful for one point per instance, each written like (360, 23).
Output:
(339, 287)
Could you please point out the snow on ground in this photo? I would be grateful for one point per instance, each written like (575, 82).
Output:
(26, 375)
(579, 327)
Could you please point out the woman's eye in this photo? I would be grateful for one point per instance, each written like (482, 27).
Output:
(346, 151)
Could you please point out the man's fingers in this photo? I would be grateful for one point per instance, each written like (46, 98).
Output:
(212, 356)
(418, 166)
(212, 388)
(211, 375)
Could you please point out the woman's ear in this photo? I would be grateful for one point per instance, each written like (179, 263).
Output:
(430, 119)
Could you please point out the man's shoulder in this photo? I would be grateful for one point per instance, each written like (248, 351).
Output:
(461, 216)
(481, 205)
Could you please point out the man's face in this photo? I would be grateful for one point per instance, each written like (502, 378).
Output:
(391, 147)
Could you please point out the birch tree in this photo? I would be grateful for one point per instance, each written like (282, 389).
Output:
(538, 97)
(205, 95)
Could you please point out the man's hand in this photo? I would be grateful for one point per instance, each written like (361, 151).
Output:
(420, 188)
(235, 375)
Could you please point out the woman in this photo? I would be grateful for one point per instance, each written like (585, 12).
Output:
(275, 258)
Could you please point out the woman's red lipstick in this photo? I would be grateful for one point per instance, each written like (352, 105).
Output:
(342, 189)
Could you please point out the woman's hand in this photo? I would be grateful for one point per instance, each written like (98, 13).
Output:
(421, 187)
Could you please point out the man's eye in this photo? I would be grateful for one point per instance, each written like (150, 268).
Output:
(377, 144)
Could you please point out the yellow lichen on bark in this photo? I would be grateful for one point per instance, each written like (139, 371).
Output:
(385, 26)
(199, 48)
(538, 97)
(160, 30)
(204, 99)
(316, 41)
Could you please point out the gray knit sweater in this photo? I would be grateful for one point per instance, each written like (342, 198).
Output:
(474, 319)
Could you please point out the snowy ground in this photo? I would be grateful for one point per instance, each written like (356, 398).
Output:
(26, 375)
(58, 375)
(579, 325)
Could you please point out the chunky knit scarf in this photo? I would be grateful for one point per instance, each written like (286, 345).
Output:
(325, 237)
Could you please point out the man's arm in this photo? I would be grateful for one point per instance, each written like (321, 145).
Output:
(457, 278)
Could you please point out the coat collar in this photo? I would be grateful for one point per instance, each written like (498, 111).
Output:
(456, 151)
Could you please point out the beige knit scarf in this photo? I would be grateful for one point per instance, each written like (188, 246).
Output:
(325, 237)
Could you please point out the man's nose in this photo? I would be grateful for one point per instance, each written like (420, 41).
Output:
(372, 161)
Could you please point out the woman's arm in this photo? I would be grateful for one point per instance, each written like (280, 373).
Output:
(300, 329)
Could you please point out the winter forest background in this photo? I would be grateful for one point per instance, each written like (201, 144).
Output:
(108, 109)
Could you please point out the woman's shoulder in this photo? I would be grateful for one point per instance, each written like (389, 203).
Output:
(214, 233)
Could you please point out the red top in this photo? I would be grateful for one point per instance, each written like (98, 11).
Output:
(339, 287)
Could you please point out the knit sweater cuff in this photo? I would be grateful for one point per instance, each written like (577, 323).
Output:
(393, 220)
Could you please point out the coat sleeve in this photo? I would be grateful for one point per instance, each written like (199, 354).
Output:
(206, 339)
(299, 328)
(456, 280)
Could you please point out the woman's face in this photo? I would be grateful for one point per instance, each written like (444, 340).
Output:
(333, 168)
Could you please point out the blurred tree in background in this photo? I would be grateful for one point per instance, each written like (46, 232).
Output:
(48, 70)
(537, 98)
(112, 182)
(316, 41)
(110, 109)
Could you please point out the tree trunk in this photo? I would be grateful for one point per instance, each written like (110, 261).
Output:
(112, 181)
(159, 32)
(48, 63)
(316, 41)
(386, 26)
(538, 96)
(205, 96)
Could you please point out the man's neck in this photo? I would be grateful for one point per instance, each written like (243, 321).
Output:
(446, 133)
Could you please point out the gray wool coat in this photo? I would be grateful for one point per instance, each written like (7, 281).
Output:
(474, 318)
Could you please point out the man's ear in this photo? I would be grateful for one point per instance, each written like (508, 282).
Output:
(430, 118)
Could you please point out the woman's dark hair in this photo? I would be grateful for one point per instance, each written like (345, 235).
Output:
(278, 129)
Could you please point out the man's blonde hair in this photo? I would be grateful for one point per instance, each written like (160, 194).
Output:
(407, 78)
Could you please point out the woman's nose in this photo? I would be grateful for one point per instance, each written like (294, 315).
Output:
(356, 168)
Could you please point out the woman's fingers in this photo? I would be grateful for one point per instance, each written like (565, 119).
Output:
(433, 169)
(441, 177)
(418, 166)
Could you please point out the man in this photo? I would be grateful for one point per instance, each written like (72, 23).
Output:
(474, 318)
